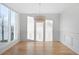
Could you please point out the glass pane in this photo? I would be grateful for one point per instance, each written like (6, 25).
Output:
(0, 24)
(49, 30)
(0, 29)
(30, 28)
(5, 26)
(13, 17)
(39, 31)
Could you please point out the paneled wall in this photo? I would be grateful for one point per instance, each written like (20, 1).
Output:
(69, 26)
(70, 41)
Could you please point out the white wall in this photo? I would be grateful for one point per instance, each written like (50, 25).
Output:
(54, 17)
(69, 26)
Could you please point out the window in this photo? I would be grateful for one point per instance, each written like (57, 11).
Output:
(48, 30)
(0, 25)
(13, 17)
(4, 22)
(30, 28)
(39, 31)
(7, 24)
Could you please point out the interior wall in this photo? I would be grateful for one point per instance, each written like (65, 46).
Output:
(69, 27)
(54, 17)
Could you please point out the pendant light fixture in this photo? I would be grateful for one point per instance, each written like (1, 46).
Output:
(39, 18)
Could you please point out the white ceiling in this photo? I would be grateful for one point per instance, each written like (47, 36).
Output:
(41, 8)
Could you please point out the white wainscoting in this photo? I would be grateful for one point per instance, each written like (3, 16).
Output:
(71, 41)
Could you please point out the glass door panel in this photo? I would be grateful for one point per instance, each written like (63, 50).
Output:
(0, 24)
(5, 23)
(13, 17)
(30, 28)
(39, 31)
(0, 29)
(48, 30)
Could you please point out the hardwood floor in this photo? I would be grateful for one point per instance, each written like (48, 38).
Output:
(39, 48)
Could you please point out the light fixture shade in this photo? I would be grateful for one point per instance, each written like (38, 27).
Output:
(40, 18)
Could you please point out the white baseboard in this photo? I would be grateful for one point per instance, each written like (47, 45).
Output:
(70, 47)
(9, 46)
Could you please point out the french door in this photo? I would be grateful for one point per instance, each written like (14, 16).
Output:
(30, 28)
(39, 31)
(48, 30)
